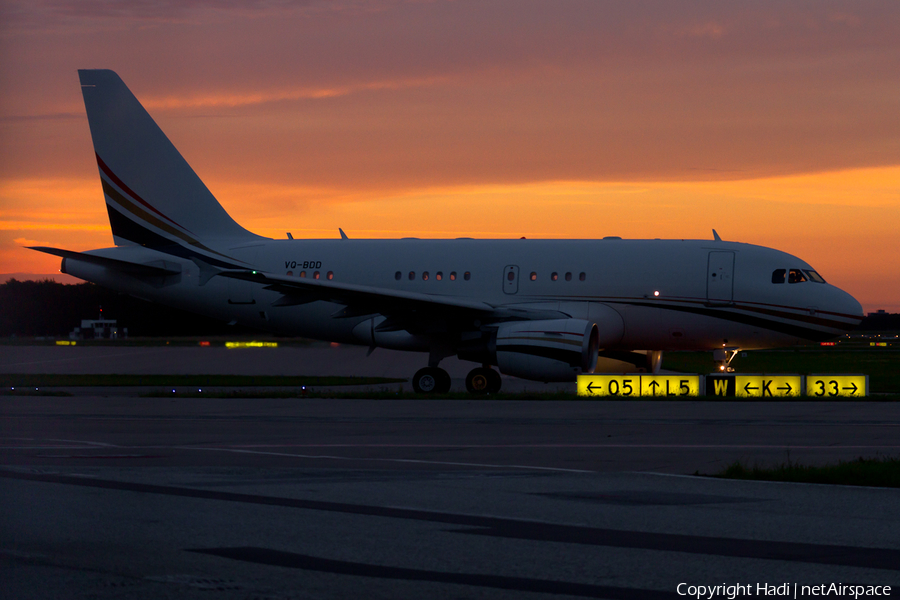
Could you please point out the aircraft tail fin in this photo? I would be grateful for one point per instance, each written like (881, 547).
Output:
(153, 196)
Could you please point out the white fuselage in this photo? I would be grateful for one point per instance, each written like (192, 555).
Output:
(670, 294)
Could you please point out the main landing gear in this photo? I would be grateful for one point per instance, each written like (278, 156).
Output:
(431, 380)
(483, 381)
(434, 380)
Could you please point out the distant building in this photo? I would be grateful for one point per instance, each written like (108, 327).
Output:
(97, 329)
(881, 320)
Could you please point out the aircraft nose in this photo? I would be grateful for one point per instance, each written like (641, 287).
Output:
(847, 307)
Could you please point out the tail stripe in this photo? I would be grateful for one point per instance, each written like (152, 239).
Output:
(103, 167)
(138, 234)
(141, 214)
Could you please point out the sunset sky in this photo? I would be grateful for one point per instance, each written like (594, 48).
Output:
(776, 123)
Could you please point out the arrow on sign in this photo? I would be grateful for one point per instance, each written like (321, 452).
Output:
(590, 387)
(654, 385)
(852, 387)
(747, 388)
(787, 387)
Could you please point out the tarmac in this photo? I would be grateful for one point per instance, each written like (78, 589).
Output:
(111, 495)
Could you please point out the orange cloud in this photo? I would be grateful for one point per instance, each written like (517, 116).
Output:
(45, 226)
(274, 95)
(844, 223)
(774, 122)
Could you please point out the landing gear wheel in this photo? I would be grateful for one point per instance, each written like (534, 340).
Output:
(431, 380)
(483, 381)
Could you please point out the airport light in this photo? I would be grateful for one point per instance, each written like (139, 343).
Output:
(251, 344)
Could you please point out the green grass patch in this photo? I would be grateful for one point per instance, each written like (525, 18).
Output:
(38, 380)
(388, 393)
(882, 366)
(876, 472)
(745, 399)
(385, 393)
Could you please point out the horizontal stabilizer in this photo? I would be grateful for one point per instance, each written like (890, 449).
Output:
(160, 269)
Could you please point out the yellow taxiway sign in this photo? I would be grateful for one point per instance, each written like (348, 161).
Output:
(768, 386)
(627, 385)
(832, 386)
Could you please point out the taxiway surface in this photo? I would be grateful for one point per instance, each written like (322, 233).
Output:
(114, 496)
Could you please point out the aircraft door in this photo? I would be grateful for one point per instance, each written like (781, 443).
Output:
(720, 278)
(511, 279)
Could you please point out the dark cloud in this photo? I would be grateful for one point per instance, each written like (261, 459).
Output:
(480, 91)
(29, 16)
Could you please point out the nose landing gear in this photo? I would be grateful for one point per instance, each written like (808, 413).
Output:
(723, 358)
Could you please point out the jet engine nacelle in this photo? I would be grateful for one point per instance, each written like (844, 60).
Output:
(552, 350)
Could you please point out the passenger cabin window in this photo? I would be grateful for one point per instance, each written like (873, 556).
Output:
(467, 276)
(452, 275)
(796, 276)
(412, 275)
(330, 275)
(554, 276)
(582, 276)
(778, 275)
(302, 273)
(438, 275)
(398, 275)
(316, 275)
(568, 277)
(425, 276)
(533, 276)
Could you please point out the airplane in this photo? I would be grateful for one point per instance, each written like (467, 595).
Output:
(544, 310)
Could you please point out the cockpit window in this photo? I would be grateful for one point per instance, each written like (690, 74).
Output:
(796, 276)
(813, 276)
(778, 275)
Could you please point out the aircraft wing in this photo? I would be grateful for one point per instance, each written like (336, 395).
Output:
(401, 307)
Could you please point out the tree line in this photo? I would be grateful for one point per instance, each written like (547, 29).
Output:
(48, 308)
